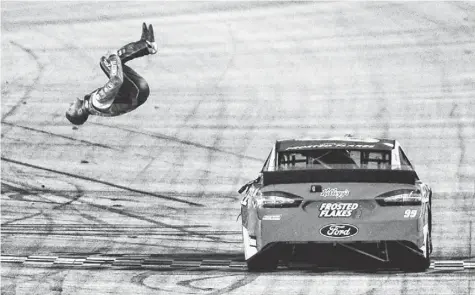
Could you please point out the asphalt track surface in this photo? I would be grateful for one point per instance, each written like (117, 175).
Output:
(146, 203)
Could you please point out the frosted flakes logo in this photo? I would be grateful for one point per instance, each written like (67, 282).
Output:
(337, 209)
(334, 192)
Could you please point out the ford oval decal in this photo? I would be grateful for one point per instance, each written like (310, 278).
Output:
(339, 230)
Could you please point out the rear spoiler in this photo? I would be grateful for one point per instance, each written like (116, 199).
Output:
(340, 175)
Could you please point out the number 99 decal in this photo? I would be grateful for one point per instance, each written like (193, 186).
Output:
(410, 213)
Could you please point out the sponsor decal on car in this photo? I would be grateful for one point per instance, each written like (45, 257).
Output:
(337, 209)
(339, 230)
(351, 138)
(314, 188)
(410, 213)
(334, 192)
(271, 217)
(330, 145)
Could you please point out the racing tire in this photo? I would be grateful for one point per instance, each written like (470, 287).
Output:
(422, 263)
(409, 263)
(261, 265)
(266, 261)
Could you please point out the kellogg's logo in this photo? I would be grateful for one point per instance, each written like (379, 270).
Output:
(333, 192)
(339, 230)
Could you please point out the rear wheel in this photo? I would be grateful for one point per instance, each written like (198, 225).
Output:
(422, 263)
(408, 261)
(261, 265)
(267, 260)
(417, 265)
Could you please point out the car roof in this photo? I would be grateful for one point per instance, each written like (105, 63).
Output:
(346, 142)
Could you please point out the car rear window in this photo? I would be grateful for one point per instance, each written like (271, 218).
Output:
(334, 159)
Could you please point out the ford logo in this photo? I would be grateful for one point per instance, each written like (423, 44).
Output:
(339, 230)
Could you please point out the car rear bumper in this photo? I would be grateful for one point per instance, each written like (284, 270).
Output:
(271, 231)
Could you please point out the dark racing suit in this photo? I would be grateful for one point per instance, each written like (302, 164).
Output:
(125, 90)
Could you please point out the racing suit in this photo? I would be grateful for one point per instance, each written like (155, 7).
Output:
(125, 90)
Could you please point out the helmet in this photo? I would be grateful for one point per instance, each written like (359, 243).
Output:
(77, 112)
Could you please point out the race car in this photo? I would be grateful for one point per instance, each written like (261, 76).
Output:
(337, 200)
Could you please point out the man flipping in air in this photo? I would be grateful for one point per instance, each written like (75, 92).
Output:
(125, 90)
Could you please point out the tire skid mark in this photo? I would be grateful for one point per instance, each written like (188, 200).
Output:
(142, 171)
(441, 26)
(210, 235)
(141, 15)
(77, 195)
(96, 221)
(462, 148)
(374, 48)
(59, 135)
(377, 89)
(247, 114)
(192, 113)
(422, 123)
(461, 142)
(29, 88)
(177, 140)
(19, 194)
(446, 88)
(470, 231)
(181, 163)
(245, 143)
(106, 229)
(364, 37)
(22, 218)
(38, 191)
(57, 280)
(433, 123)
(382, 114)
(19, 191)
(102, 182)
(78, 52)
(186, 286)
(128, 242)
(37, 243)
(218, 136)
(181, 149)
(152, 158)
(181, 229)
(188, 283)
(459, 173)
(68, 46)
(49, 230)
(246, 280)
(140, 280)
